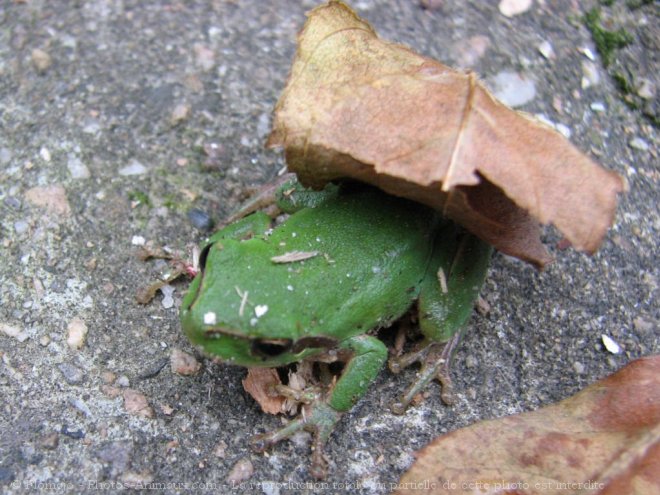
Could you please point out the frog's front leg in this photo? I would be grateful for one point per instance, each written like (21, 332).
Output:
(367, 357)
(447, 295)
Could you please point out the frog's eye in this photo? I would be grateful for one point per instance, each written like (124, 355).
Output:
(203, 255)
(269, 348)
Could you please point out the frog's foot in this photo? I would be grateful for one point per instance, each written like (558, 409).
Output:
(307, 395)
(320, 419)
(265, 197)
(435, 359)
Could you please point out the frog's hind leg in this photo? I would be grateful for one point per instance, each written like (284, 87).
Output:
(364, 357)
(435, 358)
(448, 292)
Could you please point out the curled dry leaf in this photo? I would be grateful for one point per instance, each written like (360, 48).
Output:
(259, 383)
(357, 106)
(604, 440)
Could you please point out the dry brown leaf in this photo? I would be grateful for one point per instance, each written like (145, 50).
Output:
(259, 383)
(357, 106)
(604, 440)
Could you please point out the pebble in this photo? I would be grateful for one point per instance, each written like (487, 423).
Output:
(545, 49)
(49, 441)
(180, 113)
(72, 374)
(469, 52)
(643, 326)
(108, 377)
(76, 333)
(645, 89)
(513, 89)
(136, 403)
(80, 406)
(52, 198)
(77, 168)
(45, 155)
(511, 8)
(200, 219)
(10, 330)
(610, 344)
(134, 167)
(117, 454)
(204, 57)
(5, 156)
(561, 128)
(12, 202)
(263, 125)
(138, 240)
(639, 144)
(587, 52)
(220, 450)
(75, 434)
(123, 381)
(21, 226)
(183, 363)
(168, 300)
(578, 367)
(41, 60)
(242, 471)
(91, 126)
(590, 75)
(598, 106)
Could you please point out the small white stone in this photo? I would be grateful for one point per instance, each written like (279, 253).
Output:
(563, 130)
(133, 168)
(587, 52)
(76, 333)
(260, 310)
(138, 240)
(513, 89)
(168, 300)
(590, 75)
(77, 168)
(510, 8)
(45, 154)
(545, 49)
(210, 318)
(610, 344)
(598, 106)
(639, 144)
(10, 330)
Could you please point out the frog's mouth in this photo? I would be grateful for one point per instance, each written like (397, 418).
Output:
(270, 348)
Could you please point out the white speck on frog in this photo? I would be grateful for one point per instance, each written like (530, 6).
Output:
(260, 310)
(210, 318)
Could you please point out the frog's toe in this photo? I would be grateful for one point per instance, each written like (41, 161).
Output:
(435, 360)
(320, 419)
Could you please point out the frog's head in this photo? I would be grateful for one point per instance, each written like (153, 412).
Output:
(236, 343)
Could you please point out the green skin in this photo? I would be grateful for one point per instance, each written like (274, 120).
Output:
(371, 256)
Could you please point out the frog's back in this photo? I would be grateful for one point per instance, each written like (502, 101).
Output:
(350, 264)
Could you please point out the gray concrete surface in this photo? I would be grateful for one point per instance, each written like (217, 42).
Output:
(89, 88)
